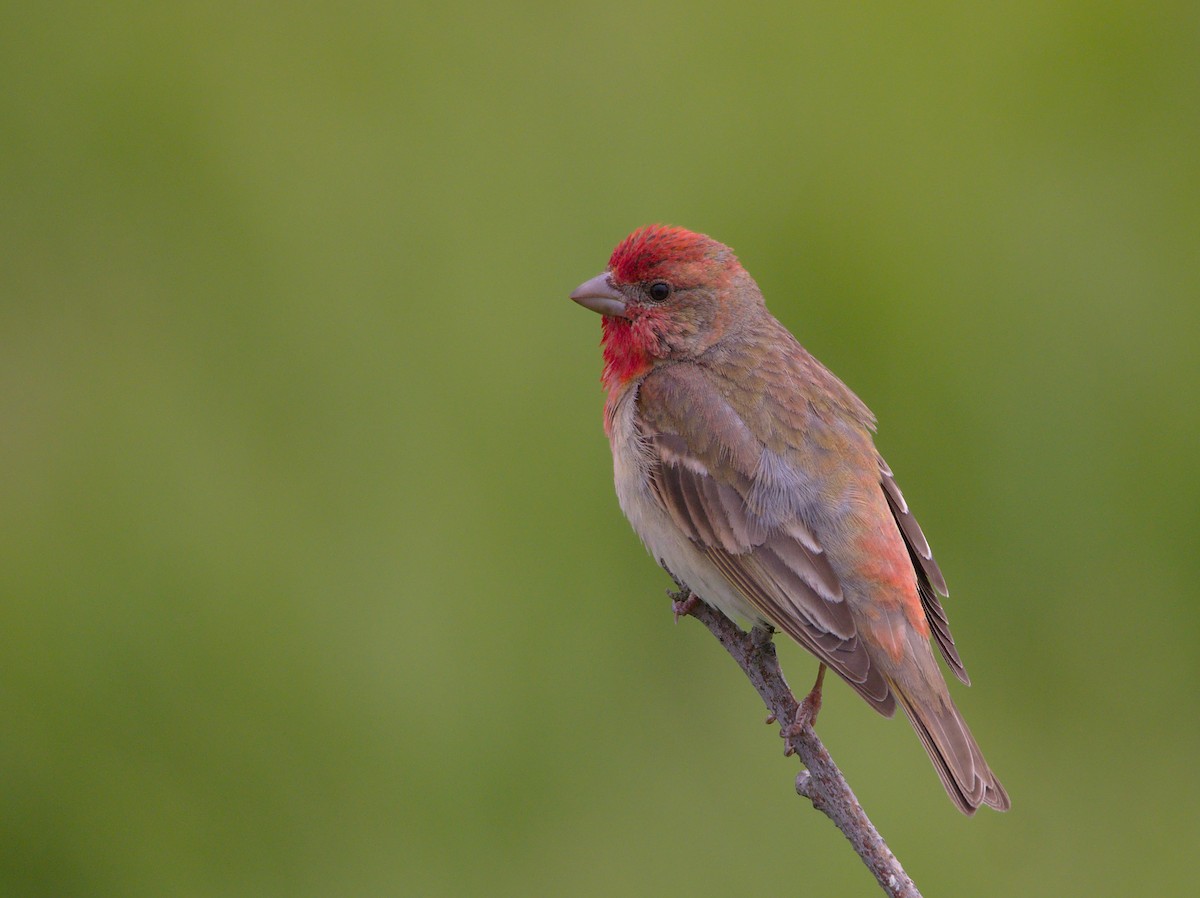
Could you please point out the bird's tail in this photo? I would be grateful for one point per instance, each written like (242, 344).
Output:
(959, 762)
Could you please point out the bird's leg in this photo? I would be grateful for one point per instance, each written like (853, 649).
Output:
(806, 714)
(683, 601)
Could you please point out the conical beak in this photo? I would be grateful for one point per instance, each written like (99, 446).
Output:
(601, 296)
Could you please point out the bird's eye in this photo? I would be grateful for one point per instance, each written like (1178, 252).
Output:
(659, 290)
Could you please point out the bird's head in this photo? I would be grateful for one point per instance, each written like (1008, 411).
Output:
(668, 293)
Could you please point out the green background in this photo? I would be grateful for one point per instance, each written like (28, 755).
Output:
(312, 581)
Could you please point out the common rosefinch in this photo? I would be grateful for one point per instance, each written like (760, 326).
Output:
(750, 473)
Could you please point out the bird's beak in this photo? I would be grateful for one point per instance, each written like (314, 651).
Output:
(601, 296)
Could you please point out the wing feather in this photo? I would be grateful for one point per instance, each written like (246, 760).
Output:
(707, 470)
(789, 582)
(930, 582)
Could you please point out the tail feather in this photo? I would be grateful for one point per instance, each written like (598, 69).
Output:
(959, 762)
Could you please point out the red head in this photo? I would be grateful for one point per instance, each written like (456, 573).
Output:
(668, 293)
(661, 251)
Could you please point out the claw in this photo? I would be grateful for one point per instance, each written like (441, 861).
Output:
(806, 714)
(683, 603)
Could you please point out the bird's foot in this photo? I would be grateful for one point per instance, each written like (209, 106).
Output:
(806, 714)
(683, 602)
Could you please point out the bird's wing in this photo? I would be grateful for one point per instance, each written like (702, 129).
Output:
(707, 471)
(930, 582)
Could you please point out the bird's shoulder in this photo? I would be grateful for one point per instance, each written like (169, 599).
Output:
(764, 388)
(681, 404)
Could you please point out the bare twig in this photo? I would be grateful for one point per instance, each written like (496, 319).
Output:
(822, 783)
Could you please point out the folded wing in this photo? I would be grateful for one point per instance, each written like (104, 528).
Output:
(702, 461)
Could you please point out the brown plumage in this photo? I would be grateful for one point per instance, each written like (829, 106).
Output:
(750, 472)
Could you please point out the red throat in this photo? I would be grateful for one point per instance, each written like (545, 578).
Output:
(626, 356)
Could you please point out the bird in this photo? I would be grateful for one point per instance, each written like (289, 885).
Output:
(750, 473)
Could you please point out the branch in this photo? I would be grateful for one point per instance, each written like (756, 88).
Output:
(822, 783)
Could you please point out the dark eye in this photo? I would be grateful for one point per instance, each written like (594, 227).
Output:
(659, 290)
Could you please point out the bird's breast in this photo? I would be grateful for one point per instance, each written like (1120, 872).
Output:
(631, 457)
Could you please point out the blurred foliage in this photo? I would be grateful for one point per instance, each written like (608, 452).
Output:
(313, 580)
